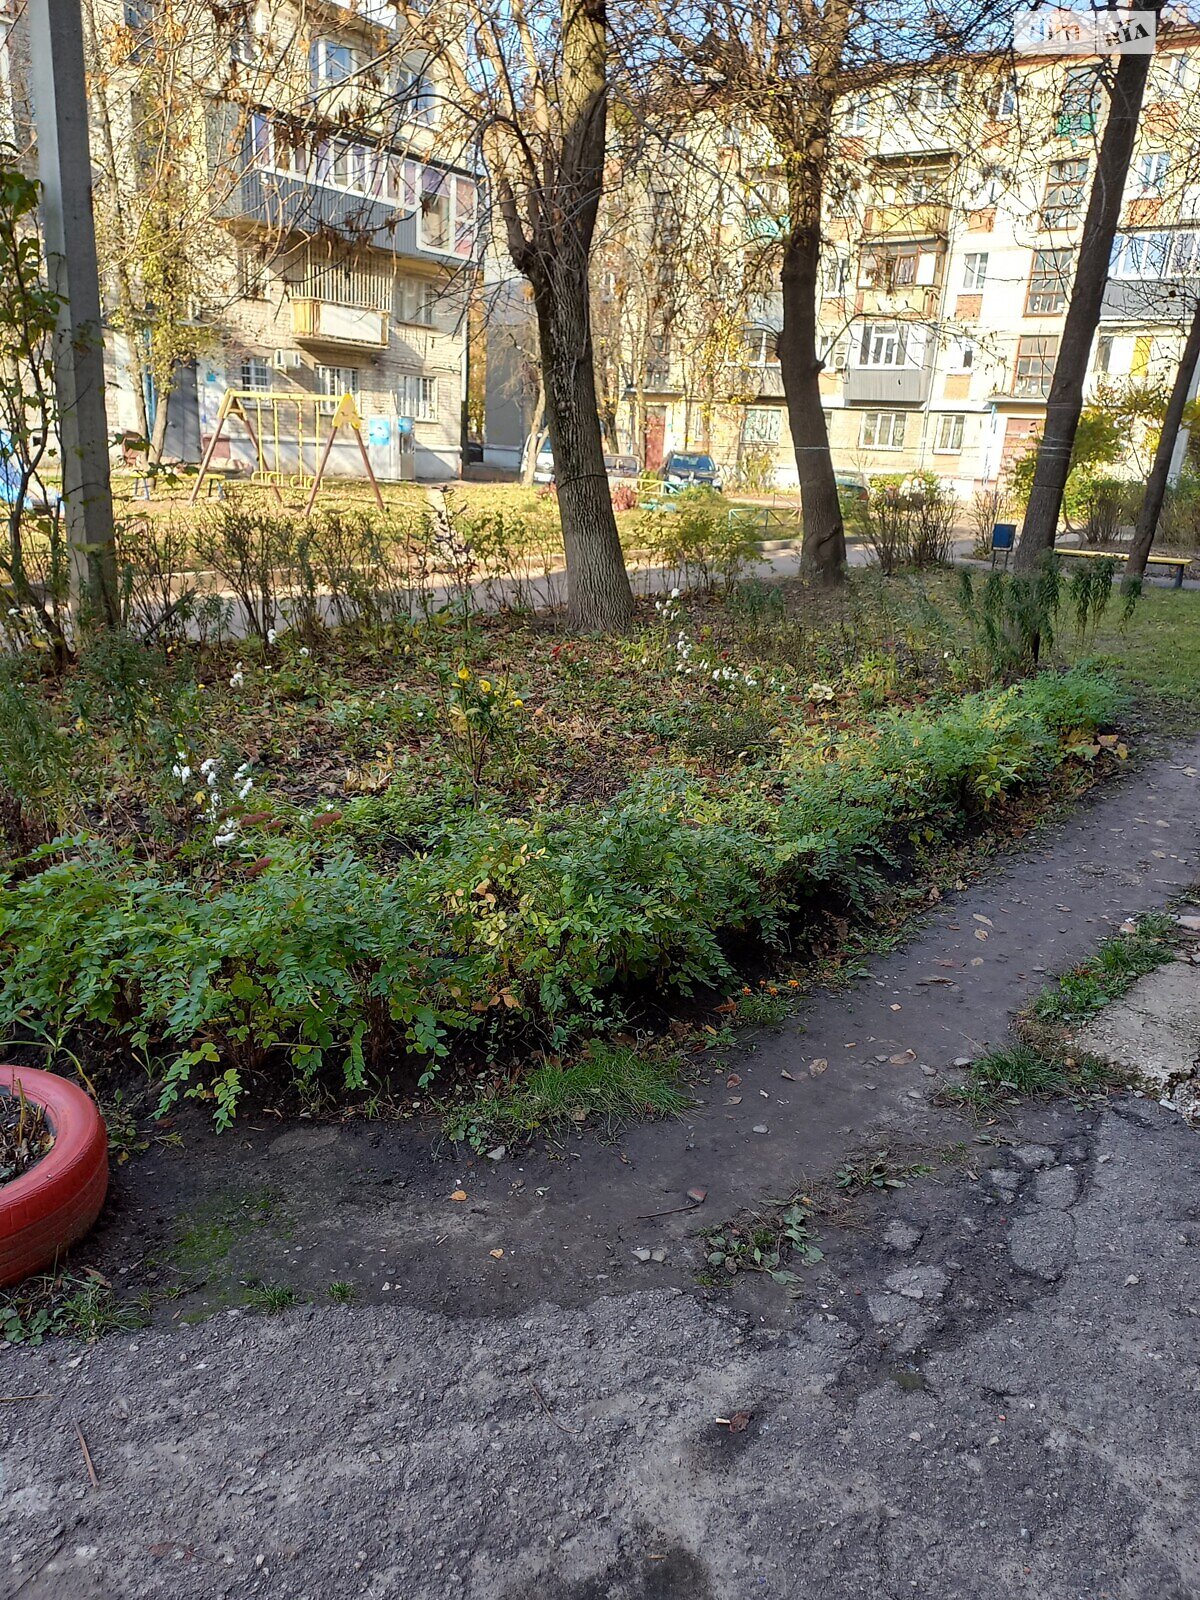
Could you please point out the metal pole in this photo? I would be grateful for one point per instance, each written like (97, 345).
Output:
(65, 170)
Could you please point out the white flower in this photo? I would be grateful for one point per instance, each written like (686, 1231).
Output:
(674, 594)
(304, 652)
(182, 771)
(271, 636)
(238, 678)
(245, 788)
(209, 765)
(227, 834)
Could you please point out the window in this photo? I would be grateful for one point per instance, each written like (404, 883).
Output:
(962, 355)
(337, 381)
(856, 113)
(1001, 101)
(837, 275)
(882, 430)
(413, 90)
(418, 297)
(1150, 172)
(761, 425)
(1066, 192)
(255, 375)
(251, 275)
(883, 344)
(416, 397)
(1048, 283)
(1155, 255)
(435, 210)
(1104, 352)
(949, 437)
(1036, 355)
(929, 94)
(332, 62)
(758, 347)
(975, 271)
(464, 218)
(1077, 108)
(1177, 74)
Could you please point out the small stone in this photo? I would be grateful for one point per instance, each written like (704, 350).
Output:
(761, 1127)
(1042, 1243)
(641, 1254)
(962, 1061)
(497, 1154)
(1034, 1155)
(930, 1072)
(1131, 1280)
(918, 1283)
(900, 1235)
(1057, 1188)
(658, 1255)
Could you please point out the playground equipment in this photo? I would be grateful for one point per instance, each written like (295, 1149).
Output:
(282, 427)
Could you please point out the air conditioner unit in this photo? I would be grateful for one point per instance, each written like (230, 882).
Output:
(284, 360)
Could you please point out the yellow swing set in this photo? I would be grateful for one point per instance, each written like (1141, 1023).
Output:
(260, 414)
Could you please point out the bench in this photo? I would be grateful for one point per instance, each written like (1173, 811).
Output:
(1180, 564)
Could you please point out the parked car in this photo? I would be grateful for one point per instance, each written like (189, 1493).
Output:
(543, 467)
(621, 468)
(853, 491)
(683, 470)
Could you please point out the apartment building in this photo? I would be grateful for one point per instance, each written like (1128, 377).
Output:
(338, 236)
(949, 250)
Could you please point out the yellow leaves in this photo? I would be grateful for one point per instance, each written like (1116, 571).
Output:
(459, 1195)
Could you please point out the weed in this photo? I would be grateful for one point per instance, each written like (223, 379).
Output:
(269, 1298)
(614, 1082)
(342, 1293)
(1117, 964)
(878, 1171)
(767, 1242)
(59, 1305)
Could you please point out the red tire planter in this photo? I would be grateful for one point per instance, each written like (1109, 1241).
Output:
(59, 1198)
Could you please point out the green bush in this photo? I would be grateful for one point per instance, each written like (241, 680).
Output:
(498, 927)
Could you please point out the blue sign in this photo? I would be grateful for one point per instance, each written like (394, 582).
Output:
(1003, 535)
(404, 425)
(379, 430)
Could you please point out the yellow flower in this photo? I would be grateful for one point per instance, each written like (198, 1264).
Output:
(463, 674)
(517, 702)
(484, 686)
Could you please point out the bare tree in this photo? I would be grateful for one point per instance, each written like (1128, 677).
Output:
(785, 65)
(1065, 399)
(536, 93)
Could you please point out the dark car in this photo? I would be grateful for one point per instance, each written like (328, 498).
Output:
(853, 492)
(683, 470)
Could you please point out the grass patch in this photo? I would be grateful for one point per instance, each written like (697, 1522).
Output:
(270, 1299)
(1116, 966)
(62, 1305)
(1021, 1071)
(612, 1083)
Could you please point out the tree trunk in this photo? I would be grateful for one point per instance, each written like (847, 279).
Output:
(1156, 483)
(823, 554)
(598, 592)
(158, 434)
(1065, 400)
(537, 432)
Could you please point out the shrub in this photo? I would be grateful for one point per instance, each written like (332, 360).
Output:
(499, 927)
(698, 537)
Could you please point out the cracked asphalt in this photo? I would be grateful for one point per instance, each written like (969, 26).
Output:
(987, 1387)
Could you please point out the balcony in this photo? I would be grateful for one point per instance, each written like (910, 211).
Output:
(902, 386)
(911, 300)
(321, 322)
(923, 219)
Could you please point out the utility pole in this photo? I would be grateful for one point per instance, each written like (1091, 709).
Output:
(65, 170)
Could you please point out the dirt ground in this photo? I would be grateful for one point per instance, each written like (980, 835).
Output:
(986, 1387)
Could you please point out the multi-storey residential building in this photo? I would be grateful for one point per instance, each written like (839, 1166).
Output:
(956, 203)
(343, 225)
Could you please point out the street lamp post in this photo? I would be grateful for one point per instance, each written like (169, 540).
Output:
(65, 170)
